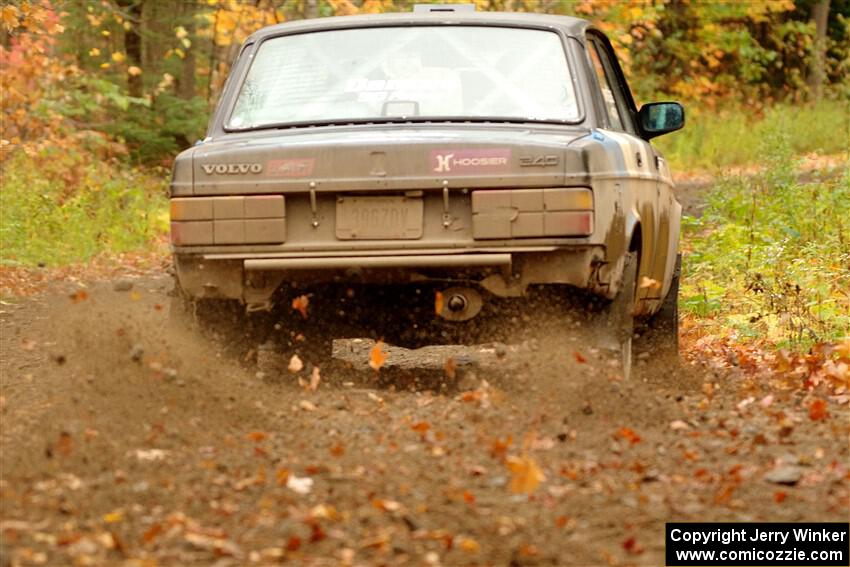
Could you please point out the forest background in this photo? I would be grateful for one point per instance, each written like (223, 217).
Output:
(99, 96)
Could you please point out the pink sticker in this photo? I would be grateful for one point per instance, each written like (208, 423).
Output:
(458, 162)
(292, 167)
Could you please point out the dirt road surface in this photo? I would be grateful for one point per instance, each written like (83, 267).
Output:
(128, 442)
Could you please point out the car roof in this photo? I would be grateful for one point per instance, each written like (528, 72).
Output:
(567, 24)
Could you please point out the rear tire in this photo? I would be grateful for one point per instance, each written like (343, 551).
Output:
(619, 318)
(660, 333)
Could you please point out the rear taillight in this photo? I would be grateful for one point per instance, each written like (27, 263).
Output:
(249, 219)
(532, 213)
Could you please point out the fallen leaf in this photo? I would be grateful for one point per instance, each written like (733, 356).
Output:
(499, 447)
(632, 546)
(79, 295)
(579, 358)
(377, 357)
(257, 436)
(817, 410)
(421, 427)
(337, 450)
(526, 475)
(300, 304)
(281, 476)
(113, 517)
(561, 521)
(528, 550)
(295, 365)
(629, 435)
(293, 544)
(468, 545)
(779, 496)
(152, 532)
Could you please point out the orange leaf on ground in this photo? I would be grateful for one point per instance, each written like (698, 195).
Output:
(468, 545)
(579, 358)
(500, 446)
(779, 496)
(526, 475)
(421, 427)
(817, 410)
(79, 295)
(629, 435)
(632, 546)
(293, 544)
(300, 304)
(561, 521)
(257, 436)
(338, 450)
(377, 357)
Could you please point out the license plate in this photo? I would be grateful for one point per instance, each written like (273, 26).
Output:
(378, 218)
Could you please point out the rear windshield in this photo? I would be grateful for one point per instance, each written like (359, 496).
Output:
(387, 73)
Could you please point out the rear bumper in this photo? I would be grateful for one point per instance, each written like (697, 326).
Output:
(254, 278)
(380, 262)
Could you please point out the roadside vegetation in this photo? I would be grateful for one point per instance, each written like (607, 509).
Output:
(768, 257)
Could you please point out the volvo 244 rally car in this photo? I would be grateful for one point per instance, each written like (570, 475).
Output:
(483, 153)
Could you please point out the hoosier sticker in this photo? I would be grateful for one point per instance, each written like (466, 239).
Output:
(455, 162)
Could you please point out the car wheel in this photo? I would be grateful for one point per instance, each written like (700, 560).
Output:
(618, 319)
(660, 333)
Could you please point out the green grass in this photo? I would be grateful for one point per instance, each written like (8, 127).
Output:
(56, 208)
(733, 136)
(770, 257)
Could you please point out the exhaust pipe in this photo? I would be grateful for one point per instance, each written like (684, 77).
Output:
(459, 303)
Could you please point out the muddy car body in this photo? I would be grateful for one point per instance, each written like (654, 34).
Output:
(461, 187)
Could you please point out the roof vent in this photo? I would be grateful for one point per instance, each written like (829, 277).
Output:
(442, 8)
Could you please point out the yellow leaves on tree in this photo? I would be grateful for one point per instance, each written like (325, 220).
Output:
(10, 14)
(236, 20)
(526, 475)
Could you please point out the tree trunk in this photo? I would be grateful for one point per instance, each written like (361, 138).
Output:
(311, 9)
(186, 84)
(817, 73)
(133, 44)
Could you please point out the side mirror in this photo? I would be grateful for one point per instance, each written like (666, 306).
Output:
(657, 118)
